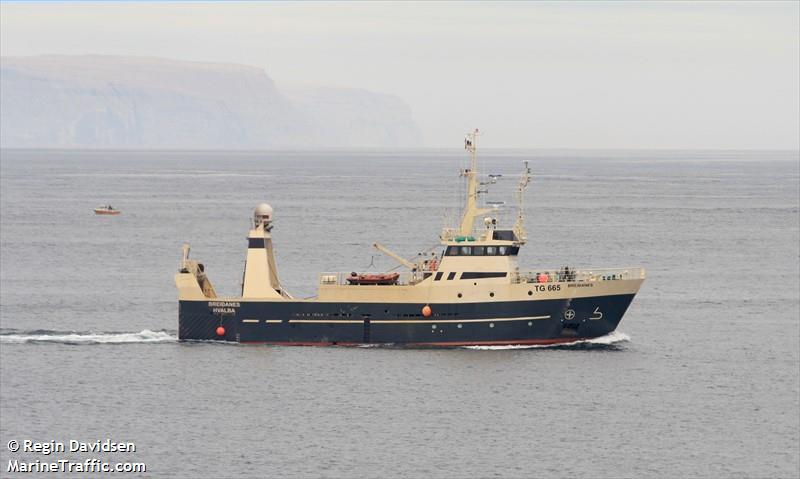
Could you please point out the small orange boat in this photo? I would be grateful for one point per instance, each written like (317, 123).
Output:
(106, 210)
(379, 278)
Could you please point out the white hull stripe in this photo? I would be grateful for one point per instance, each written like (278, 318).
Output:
(412, 321)
(344, 321)
(434, 321)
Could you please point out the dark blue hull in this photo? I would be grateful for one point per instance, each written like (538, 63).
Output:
(456, 324)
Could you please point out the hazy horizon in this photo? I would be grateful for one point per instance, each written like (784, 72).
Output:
(540, 76)
(792, 154)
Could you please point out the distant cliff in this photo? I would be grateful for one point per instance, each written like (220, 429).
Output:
(121, 102)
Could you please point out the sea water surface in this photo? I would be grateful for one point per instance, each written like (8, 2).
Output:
(701, 379)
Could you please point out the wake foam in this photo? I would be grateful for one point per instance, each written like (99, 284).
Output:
(44, 336)
(609, 341)
(10, 336)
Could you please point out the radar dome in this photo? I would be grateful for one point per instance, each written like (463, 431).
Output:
(263, 215)
(263, 210)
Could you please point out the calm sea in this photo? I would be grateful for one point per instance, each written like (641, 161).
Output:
(702, 379)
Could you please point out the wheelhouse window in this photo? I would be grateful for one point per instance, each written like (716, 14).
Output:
(505, 235)
(482, 250)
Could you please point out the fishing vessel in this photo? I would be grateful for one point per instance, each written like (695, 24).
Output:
(106, 210)
(469, 292)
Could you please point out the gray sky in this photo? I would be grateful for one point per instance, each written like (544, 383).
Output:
(538, 75)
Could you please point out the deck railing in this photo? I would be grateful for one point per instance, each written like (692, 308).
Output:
(577, 275)
(554, 275)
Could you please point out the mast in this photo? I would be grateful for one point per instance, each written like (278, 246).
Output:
(519, 225)
(471, 209)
